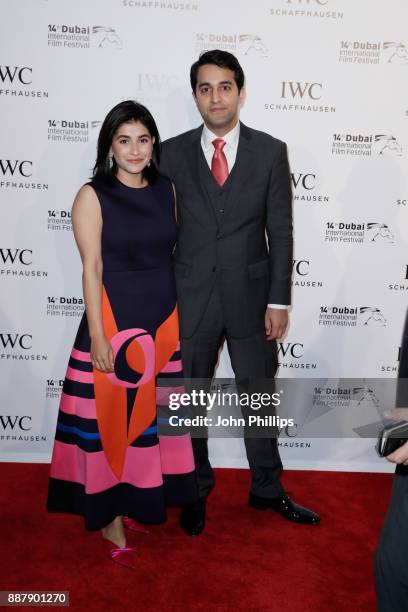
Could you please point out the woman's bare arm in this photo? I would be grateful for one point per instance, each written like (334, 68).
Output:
(87, 225)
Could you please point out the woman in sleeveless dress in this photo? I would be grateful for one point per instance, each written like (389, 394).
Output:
(109, 464)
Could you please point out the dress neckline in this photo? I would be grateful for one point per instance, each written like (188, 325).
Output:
(128, 186)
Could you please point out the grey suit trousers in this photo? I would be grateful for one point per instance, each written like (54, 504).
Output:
(252, 357)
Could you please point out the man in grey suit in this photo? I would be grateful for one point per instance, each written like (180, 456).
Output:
(233, 261)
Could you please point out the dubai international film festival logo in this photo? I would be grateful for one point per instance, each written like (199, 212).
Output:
(68, 131)
(366, 145)
(372, 316)
(59, 221)
(387, 145)
(248, 45)
(373, 52)
(307, 9)
(301, 96)
(107, 37)
(53, 388)
(302, 275)
(18, 82)
(19, 174)
(18, 263)
(329, 396)
(380, 232)
(64, 306)
(252, 44)
(351, 316)
(84, 37)
(353, 232)
(396, 53)
(304, 186)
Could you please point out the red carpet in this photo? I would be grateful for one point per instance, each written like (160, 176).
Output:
(245, 560)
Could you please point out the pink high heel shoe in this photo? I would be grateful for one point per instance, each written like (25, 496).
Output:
(133, 526)
(121, 555)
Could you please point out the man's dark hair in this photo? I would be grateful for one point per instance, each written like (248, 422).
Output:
(222, 59)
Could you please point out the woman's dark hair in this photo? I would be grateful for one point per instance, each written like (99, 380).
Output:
(222, 59)
(125, 112)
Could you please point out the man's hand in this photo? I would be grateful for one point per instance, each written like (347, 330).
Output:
(399, 456)
(276, 323)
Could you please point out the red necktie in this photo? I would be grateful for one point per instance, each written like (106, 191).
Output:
(219, 164)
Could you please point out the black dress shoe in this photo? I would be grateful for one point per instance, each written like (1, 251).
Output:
(286, 507)
(192, 517)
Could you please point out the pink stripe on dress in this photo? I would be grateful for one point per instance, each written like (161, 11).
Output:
(176, 454)
(81, 355)
(172, 366)
(79, 375)
(142, 467)
(162, 393)
(82, 407)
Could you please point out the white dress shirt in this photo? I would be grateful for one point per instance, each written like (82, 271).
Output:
(230, 149)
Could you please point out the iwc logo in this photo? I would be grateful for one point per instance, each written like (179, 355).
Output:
(17, 81)
(301, 96)
(18, 347)
(291, 357)
(303, 276)
(18, 263)
(307, 9)
(305, 188)
(19, 174)
(402, 284)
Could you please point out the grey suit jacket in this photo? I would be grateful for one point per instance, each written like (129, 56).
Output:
(248, 247)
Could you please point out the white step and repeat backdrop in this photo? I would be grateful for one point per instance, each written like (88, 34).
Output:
(327, 76)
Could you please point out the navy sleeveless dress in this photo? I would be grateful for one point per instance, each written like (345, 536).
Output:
(108, 459)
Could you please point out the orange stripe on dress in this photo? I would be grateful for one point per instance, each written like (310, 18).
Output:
(111, 403)
(166, 340)
(110, 391)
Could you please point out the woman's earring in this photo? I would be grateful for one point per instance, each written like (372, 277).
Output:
(110, 161)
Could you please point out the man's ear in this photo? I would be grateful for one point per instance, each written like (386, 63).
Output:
(242, 96)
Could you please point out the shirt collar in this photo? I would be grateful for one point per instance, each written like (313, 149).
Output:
(231, 138)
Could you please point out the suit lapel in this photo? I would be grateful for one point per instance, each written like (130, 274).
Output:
(243, 168)
(194, 154)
